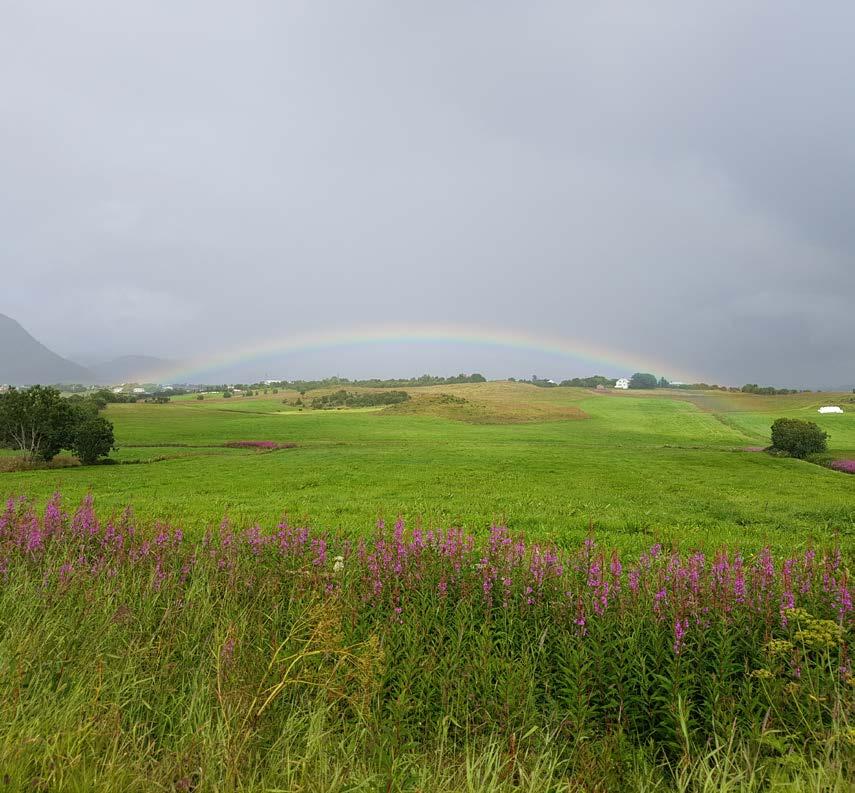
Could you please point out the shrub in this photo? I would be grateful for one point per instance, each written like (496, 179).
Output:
(798, 438)
(820, 458)
(342, 398)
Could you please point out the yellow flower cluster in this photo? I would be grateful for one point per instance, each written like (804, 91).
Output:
(820, 634)
(815, 633)
(779, 647)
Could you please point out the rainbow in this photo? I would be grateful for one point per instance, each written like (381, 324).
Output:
(593, 355)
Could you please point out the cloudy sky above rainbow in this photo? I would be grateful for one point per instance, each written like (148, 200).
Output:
(382, 189)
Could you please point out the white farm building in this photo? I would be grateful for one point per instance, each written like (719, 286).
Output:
(830, 409)
(623, 382)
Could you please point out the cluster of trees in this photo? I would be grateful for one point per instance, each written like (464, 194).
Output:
(408, 382)
(39, 423)
(647, 380)
(105, 396)
(343, 398)
(753, 388)
(589, 382)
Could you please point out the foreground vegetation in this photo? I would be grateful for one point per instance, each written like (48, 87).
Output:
(412, 660)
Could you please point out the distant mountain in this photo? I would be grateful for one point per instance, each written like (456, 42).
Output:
(26, 361)
(130, 369)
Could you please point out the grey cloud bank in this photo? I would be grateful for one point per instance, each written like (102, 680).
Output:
(674, 180)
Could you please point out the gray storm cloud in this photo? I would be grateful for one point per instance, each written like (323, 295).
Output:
(675, 180)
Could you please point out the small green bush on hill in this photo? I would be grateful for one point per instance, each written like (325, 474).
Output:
(798, 438)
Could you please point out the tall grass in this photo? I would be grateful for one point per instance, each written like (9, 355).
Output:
(291, 660)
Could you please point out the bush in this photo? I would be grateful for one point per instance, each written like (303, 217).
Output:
(798, 438)
(342, 398)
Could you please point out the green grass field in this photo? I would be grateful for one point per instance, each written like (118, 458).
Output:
(549, 462)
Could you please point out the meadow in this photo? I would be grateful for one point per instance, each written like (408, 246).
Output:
(550, 462)
(488, 587)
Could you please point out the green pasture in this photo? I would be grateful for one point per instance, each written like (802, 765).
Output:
(661, 465)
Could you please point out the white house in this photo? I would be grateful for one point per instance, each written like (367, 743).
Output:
(622, 383)
(830, 409)
(139, 390)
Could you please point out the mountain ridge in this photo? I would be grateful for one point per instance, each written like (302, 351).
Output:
(24, 360)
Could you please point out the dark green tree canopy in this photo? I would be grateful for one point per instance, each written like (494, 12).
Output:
(92, 438)
(39, 423)
(36, 421)
(643, 380)
(797, 437)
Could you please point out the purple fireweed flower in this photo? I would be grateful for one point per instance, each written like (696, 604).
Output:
(844, 600)
(634, 575)
(659, 599)
(8, 516)
(65, 572)
(738, 580)
(85, 522)
(580, 620)
(254, 539)
(767, 567)
(680, 628)
(601, 600)
(53, 515)
(595, 573)
(159, 574)
(319, 548)
(721, 568)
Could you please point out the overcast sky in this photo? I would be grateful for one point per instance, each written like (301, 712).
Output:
(674, 180)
